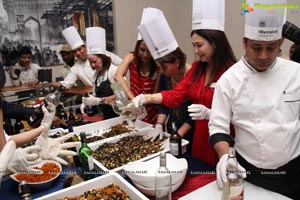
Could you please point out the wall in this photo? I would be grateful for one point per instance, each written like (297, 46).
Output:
(127, 15)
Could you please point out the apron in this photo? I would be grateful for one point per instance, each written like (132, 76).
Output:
(104, 90)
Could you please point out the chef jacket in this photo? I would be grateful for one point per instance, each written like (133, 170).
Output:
(264, 109)
(26, 75)
(81, 70)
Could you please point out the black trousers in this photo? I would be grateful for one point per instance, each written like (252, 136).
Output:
(284, 180)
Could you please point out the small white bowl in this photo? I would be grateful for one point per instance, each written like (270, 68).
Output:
(43, 184)
(143, 173)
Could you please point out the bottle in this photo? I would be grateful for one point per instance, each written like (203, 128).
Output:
(24, 191)
(71, 118)
(175, 142)
(121, 98)
(89, 109)
(19, 127)
(62, 113)
(163, 190)
(235, 184)
(35, 119)
(74, 138)
(86, 158)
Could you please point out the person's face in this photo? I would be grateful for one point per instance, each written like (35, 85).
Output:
(25, 60)
(202, 48)
(81, 53)
(68, 57)
(96, 62)
(144, 52)
(261, 54)
(169, 69)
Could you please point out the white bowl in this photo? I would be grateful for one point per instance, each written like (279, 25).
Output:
(151, 191)
(43, 184)
(143, 173)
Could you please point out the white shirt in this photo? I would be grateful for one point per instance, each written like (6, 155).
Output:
(26, 75)
(264, 108)
(81, 71)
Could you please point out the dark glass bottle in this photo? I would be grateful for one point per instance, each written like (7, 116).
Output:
(86, 158)
(72, 118)
(89, 109)
(24, 191)
(35, 119)
(175, 142)
(19, 127)
(62, 113)
(74, 139)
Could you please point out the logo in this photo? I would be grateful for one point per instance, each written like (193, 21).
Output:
(262, 23)
(246, 9)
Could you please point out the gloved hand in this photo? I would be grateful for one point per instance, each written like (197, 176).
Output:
(222, 167)
(154, 133)
(53, 148)
(6, 155)
(139, 100)
(23, 158)
(198, 112)
(92, 100)
(48, 116)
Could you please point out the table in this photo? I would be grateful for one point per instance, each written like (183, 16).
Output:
(79, 90)
(199, 174)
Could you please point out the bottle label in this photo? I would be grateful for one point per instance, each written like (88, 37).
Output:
(90, 162)
(174, 149)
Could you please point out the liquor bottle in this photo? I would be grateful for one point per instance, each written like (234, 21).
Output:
(163, 190)
(35, 119)
(74, 138)
(71, 118)
(175, 142)
(89, 109)
(62, 113)
(24, 191)
(86, 158)
(235, 185)
(19, 127)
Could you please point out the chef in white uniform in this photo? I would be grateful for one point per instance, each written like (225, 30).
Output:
(260, 97)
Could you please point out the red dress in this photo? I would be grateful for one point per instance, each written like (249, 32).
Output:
(143, 85)
(198, 94)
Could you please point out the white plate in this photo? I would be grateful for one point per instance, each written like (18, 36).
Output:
(98, 182)
(44, 184)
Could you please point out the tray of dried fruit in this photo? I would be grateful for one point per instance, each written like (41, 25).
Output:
(111, 156)
(108, 186)
(110, 129)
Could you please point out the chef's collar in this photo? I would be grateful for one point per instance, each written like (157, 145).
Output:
(253, 70)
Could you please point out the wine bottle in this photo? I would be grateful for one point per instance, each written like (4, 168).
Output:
(19, 127)
(234, 188)
(71, 118)
(24, 191)
(89, 109)
(163, 190)
(86, 158)
(35, 119)
(74, 138)
(62, 113)
(175, 142)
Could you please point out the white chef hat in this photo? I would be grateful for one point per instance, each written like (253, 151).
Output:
(158, 36)
(148, 13)
(95, 40)
(72, 36)
(266, 20)
(208, 14)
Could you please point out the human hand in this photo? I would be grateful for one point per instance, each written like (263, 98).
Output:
(152, 134)
(53, 148)
(222, 170)
(139, 100)
(48, 116)
(92, 100)
(6, 156)
(24, 158)
(198, 112)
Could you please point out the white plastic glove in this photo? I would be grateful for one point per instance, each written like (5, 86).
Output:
(53, 148)
(24, 158)
(221, 170)
(6, 155)
(198, 112)
(139, 100)
(92, 100)
(48, 116)
(154, 133)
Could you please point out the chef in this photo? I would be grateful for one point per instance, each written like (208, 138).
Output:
(260, 96)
